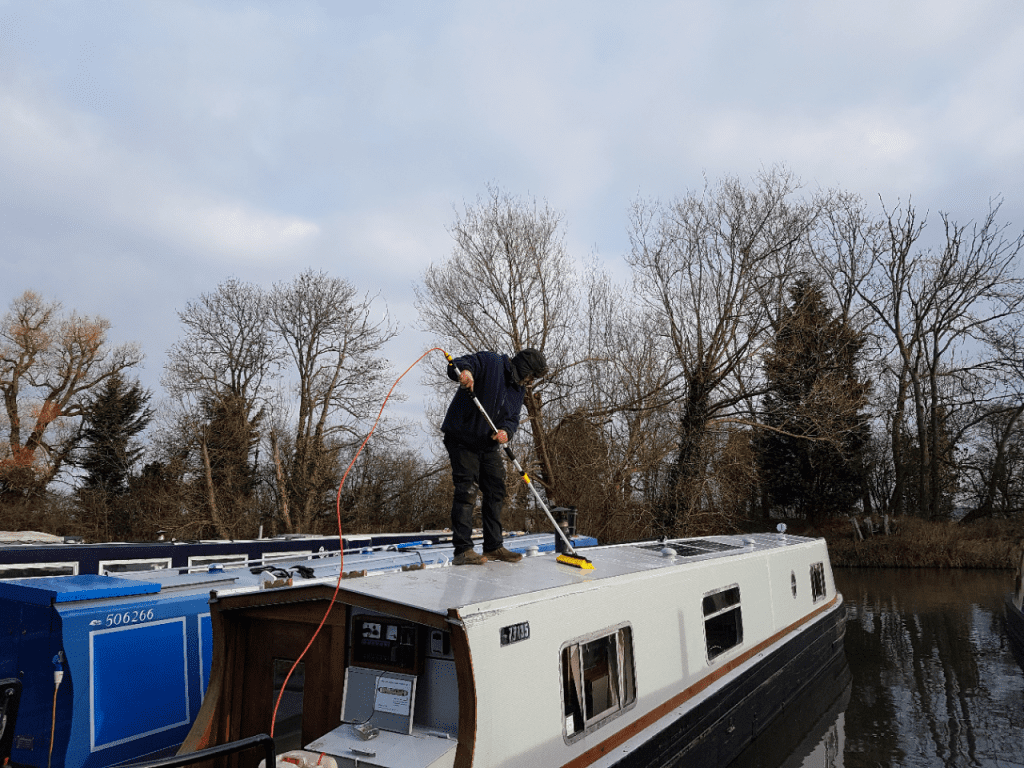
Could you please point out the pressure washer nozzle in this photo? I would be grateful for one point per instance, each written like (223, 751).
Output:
(576, 562)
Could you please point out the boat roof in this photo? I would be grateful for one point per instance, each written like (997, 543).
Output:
(28, 537)
(496, 586)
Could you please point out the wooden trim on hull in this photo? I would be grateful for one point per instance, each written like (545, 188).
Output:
(467, 692)
(646, 721)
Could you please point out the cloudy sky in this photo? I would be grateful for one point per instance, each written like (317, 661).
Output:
(150, 150)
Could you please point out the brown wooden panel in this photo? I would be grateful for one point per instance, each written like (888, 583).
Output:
(307, 612)
(467, 693)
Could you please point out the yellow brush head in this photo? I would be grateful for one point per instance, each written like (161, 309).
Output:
(576, 562)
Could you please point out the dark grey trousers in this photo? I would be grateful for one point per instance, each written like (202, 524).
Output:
(472, 468)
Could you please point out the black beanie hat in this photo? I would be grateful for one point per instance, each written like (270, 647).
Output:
(528, 362)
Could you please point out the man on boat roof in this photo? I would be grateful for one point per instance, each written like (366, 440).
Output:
(498, 384)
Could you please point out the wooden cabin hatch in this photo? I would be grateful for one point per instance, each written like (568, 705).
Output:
(266, 643)
(255, 635)
(312, 700)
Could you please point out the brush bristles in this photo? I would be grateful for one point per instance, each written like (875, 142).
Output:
(576, 562)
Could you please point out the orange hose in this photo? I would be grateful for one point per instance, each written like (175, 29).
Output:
(53, 725)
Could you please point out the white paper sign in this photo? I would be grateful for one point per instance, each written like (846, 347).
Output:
(393, 696)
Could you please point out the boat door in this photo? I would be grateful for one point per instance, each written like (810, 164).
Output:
(271, 648)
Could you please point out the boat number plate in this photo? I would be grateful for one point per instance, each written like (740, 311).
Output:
(515, 632)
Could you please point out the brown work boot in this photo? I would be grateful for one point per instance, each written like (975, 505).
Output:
(503, 555)
(469, 557)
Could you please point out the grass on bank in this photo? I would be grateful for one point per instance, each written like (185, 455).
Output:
(917, 543)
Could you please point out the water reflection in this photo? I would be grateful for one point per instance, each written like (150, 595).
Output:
(934, 682)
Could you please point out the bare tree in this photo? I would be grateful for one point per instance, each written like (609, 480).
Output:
(227, 348)
(392, 488)
(937, 308)
(845, 247)
(712, 268)
(993, 461)
(50, 364)
(217, 374)
(333, 344)
(509, 284)
(617, 430)
(239, 339)
(993, 469)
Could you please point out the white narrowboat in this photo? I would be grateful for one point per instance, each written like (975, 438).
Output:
(665, 653)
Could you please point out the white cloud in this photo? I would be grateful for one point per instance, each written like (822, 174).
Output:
(231, 229)
(59, 158)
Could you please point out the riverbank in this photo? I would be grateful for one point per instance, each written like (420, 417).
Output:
(916, 543)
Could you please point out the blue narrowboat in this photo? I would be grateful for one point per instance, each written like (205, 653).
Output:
(99, 670)
(28, 554)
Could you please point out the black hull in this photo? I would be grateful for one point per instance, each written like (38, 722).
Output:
(805, 725)
(717, 730)
(1015, 629)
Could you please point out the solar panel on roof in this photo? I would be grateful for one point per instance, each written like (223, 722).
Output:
(691, 547)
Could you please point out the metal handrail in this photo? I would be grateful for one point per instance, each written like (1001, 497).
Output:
(223, 749)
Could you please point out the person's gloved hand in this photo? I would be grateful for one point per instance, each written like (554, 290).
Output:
(466, 380)
(501, 436)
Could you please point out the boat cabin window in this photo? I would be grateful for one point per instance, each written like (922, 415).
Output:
(723, 623)
(126, 566)
(288, 706)
(35, 570)
(203, 562)
(296, 554)
(598, 680)
(818, 581)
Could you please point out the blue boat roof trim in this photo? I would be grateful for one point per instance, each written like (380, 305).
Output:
(170, 580)
(48, 590)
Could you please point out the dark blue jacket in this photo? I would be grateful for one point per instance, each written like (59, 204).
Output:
(493, 387)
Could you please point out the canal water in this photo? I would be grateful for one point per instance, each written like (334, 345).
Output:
(930, 680)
